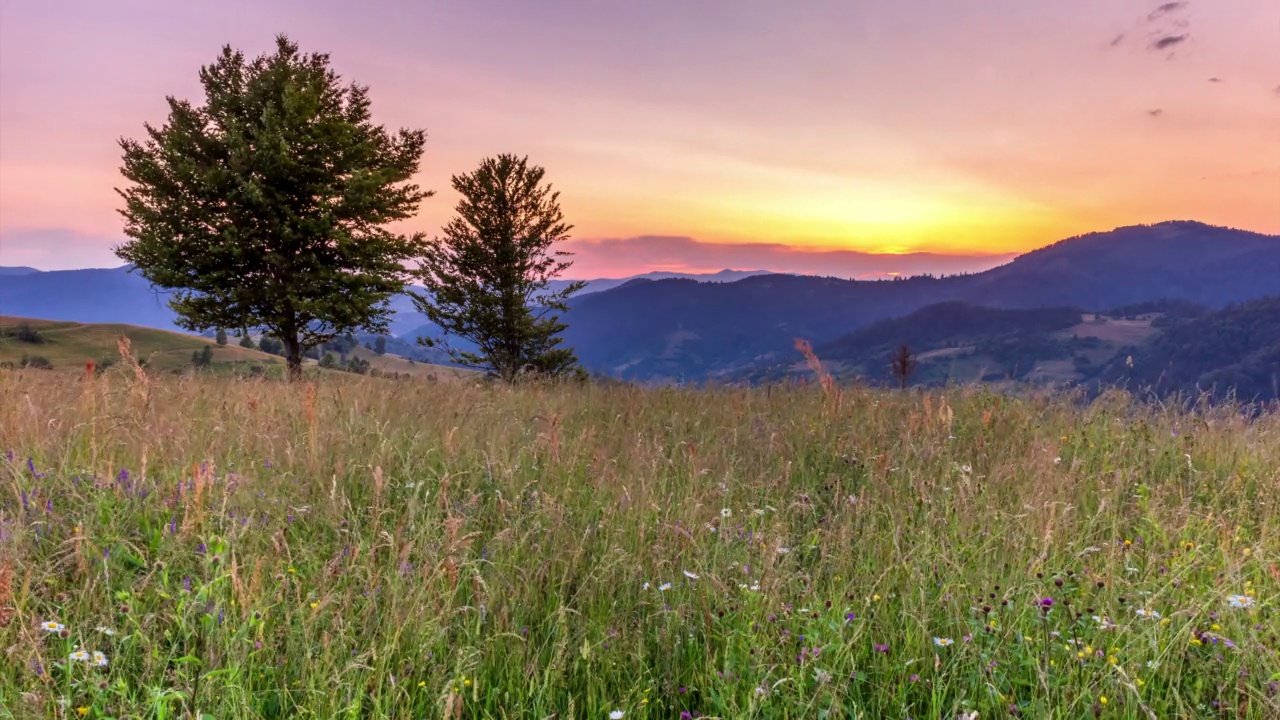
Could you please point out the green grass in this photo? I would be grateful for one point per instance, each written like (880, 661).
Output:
(69, 345)
(360, 548)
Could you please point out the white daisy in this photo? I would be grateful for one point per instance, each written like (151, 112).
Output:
(690, 575)
(616, 715)
(943, 642)
(99, 659)
(1144, 612)
(80, 655)
(52, 626)
(645, 586)
(105, 630)
(726, 512)
(1240, 601)
(664, 587)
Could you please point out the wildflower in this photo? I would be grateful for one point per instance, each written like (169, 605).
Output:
(1153, 664)
(690, 575)
(822, 676)
(99, 659)
(726, 513)
(664, 587)
(80, 655)
(314, 604)
(943, 642)
(105, 630)
(784, 550)
(881, 648)
(82, 711)
(1102, 700)
(876, 598)
(1240, 601)
(52, 626)
(616, 715)
(645, 586)
(1144, 612)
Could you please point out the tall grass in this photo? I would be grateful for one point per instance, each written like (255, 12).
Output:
(360, 548)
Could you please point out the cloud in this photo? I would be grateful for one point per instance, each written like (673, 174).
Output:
(1117, 40)
(1157, 112)
(57, 249)
(621, 257)
(1277, 90)
(1166, 8)
(1169, 41)
(1215, 80)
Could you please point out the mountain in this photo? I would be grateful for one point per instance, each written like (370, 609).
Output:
(117, 295)
(675, 330)
(92, 296)
(662, 329)
(1234, 350)
(1164, 347)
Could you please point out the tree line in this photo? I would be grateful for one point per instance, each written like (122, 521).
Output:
(270, 206)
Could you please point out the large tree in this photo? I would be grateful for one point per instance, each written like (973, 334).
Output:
(487, 278)
(266, 207)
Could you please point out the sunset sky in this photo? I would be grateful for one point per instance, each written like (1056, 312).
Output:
(695, 136)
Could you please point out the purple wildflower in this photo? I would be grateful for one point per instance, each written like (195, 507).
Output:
(881, 648)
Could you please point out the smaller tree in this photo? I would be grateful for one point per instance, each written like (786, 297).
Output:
(220, 337)
(902, 363)
(246, 341)
(202, 357)
(380, 345)
(328, 361)
(488, 278)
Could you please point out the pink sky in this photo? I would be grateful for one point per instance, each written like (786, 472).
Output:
(696, 136)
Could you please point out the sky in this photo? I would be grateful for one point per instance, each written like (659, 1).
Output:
(856, 138)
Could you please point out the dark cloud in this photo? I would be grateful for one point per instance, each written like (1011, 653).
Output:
(1156, 112)
(1215, 79)
(1277, 90)
(1169, 41)
(1166, 8)
(620, 257)
(1117, 40)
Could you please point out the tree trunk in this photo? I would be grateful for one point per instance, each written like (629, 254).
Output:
(293, 356)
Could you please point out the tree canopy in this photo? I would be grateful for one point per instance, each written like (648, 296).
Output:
(266, 207)
(487, 278)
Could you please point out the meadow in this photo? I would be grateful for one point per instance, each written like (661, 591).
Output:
(354, 547)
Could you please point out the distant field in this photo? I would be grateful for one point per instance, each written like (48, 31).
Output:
(354, 547)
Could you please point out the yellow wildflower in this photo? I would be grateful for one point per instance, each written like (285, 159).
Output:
(1102, 700)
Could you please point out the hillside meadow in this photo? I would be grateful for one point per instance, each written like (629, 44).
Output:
(352, 547)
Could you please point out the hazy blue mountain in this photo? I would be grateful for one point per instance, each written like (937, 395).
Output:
(16, 270)
(678, 329)
(675, 330)
(98, 296)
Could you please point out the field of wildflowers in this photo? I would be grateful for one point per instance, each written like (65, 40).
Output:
(361, 548)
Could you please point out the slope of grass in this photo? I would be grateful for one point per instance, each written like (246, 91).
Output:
(69, 345)
(360, 548)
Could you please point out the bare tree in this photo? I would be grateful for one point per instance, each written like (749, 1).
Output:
(902, 363)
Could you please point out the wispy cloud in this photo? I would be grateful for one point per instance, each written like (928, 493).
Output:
(1156, 112)
(1165, 9)
(1215, 79)
(620, 257)
(1115, 41)
(1168, 41)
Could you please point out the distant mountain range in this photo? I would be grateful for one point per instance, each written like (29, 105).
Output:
(674, 330)
(659, 328)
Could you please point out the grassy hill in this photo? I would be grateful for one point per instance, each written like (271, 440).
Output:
(69, 345)
(354, 548)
